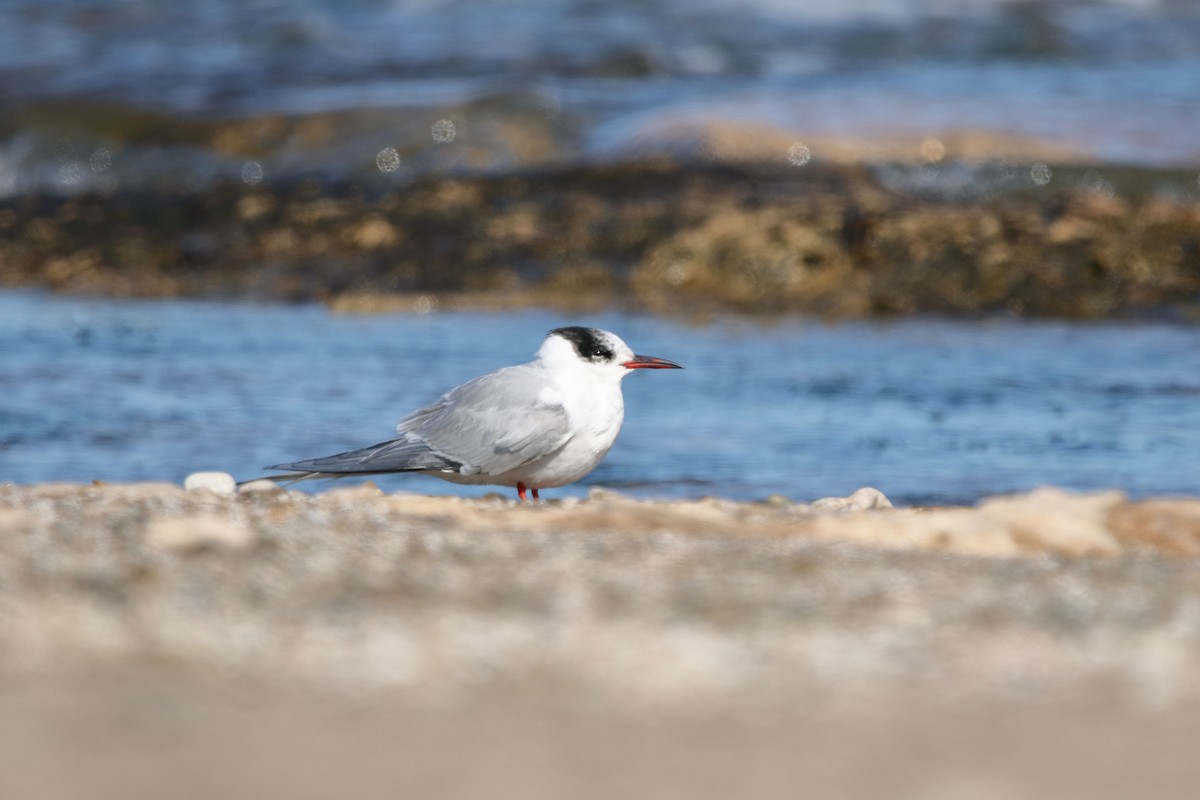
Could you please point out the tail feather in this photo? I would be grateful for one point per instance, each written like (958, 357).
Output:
(287, 480)
(296, 477)
(394, 455)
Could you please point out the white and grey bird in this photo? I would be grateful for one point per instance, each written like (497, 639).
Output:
(532, 426)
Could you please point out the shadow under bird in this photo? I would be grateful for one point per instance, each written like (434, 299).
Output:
(533, 426)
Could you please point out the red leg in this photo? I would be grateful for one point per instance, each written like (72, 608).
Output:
(521, 491)
(535, 494)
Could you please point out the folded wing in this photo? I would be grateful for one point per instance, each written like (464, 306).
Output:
(495, 423)
(490, 425)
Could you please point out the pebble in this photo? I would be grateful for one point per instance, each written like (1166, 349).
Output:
(864, 499)
(217, 482)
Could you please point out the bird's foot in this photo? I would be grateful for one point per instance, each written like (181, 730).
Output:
(522, 488)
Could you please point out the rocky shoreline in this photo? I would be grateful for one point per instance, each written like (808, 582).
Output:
(664, 236)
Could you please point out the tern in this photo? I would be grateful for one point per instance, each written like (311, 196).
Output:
(533, 426)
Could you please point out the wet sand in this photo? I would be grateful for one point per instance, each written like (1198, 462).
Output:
(190, 644)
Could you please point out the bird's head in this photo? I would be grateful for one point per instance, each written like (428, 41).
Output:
(594, 349)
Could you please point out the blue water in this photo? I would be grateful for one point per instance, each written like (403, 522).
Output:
(1117, 79)
(925, 410)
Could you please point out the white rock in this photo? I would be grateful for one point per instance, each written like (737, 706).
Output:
(216, 482)
(862, 500)
(189, 534)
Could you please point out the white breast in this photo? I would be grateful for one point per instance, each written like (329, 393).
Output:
(596, 412)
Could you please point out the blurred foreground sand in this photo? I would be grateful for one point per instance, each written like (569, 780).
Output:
(162, 643)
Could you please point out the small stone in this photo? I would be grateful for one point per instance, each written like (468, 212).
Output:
(215, 482)
(864, 499)
(194, 533)
(869, 497)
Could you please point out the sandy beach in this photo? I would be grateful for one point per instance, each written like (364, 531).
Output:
(189, 644)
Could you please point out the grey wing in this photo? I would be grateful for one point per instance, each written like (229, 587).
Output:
(398, 455)
(494, 423)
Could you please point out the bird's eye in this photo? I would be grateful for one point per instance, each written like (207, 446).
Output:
(599, 354)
